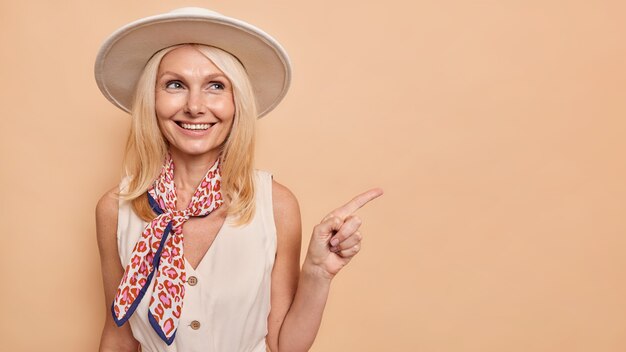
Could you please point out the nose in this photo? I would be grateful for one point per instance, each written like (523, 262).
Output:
(195, 105)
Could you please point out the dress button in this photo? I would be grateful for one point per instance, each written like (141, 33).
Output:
(192, 281)
(195, 325)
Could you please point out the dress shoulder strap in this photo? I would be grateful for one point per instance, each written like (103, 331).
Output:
(264, 205)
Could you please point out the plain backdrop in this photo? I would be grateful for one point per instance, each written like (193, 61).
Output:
(496, 129)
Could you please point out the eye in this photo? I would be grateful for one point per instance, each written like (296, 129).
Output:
(173, 85)
(216, 85)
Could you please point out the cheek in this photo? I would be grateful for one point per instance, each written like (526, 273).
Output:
(166, 105)
(225, 110)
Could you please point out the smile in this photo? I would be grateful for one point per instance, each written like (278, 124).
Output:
(195, 126)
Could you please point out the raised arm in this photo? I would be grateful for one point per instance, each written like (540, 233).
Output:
(297, 309)
(118, 339)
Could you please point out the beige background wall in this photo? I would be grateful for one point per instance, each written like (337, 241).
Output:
(496, 129)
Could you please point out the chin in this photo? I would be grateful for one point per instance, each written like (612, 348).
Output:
(196, 151)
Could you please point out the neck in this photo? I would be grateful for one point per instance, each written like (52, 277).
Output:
(189, 170)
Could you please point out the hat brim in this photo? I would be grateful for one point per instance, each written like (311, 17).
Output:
(124, 54)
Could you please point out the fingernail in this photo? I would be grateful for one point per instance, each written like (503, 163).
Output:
(334, 242)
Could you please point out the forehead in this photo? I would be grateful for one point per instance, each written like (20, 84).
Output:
(187, 60)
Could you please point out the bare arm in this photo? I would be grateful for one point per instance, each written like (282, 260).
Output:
(113, 338)
(297, 309)
(287, 264)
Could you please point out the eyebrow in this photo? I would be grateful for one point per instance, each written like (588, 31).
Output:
(211, 76)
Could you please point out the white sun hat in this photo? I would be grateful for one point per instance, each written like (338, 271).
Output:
(123, 55)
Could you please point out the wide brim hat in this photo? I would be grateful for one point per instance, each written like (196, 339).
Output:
(123, 55)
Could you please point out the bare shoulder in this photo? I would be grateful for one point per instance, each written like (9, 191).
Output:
(108, 203)
(106, 213)
(284, 201)
(286, 212)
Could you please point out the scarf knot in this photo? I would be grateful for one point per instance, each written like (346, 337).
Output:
(158, 254)
(179, 218)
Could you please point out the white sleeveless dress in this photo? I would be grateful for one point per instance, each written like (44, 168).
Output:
(227, 307)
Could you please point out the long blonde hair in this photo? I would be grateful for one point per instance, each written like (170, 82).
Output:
(146, 147)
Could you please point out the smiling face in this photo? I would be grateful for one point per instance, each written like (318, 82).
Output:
(194, 103)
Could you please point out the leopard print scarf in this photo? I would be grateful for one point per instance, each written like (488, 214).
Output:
(158, 254)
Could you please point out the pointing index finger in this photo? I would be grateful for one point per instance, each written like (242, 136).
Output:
(356, 203)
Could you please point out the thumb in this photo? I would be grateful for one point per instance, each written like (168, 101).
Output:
(327, 228)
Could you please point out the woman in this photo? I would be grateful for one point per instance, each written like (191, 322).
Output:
(194, 82)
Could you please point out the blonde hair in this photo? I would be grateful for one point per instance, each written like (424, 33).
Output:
(146, 147)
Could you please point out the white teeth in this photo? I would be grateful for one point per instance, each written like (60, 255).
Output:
(200, 126)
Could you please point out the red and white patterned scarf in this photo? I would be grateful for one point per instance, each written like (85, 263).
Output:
(158, 254)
